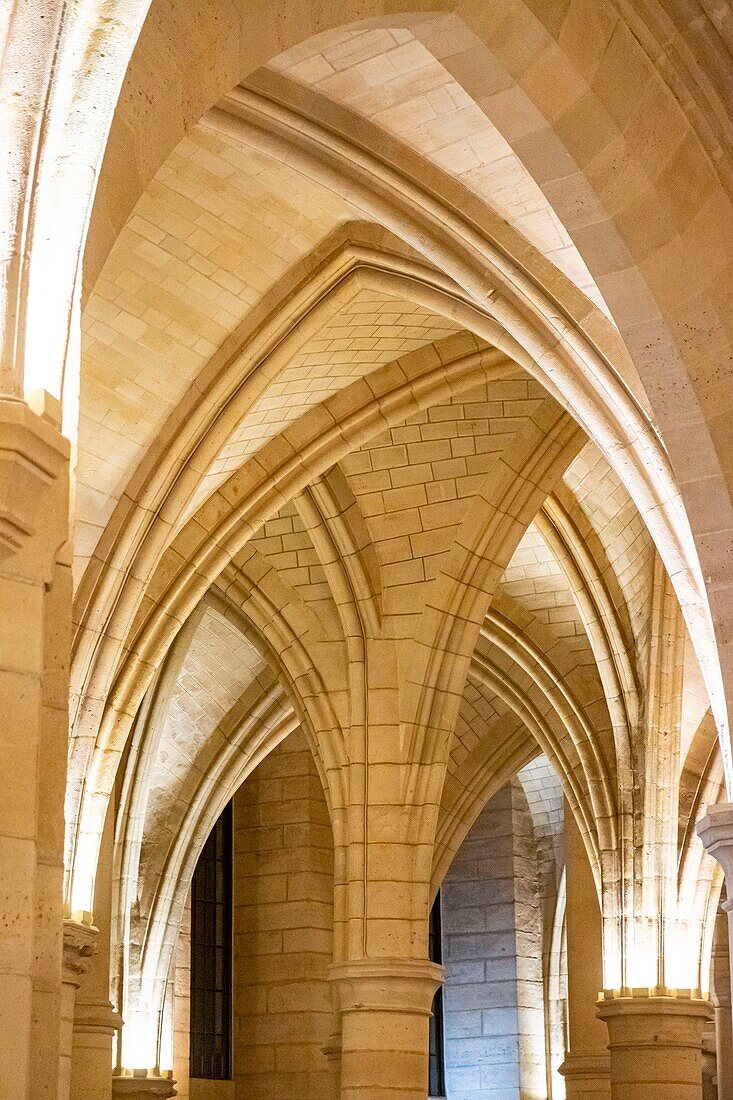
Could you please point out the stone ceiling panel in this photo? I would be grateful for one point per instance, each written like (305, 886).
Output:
(370, 330)
(390, 78)
(217, 227)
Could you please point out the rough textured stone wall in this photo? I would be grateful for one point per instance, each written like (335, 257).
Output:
(283, 928)
(492, 947)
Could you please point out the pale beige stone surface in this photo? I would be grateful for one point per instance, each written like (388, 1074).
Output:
(365, 416)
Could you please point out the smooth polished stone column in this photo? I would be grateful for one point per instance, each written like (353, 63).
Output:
(655, 1045)
(385, 1012)
(587, 1066)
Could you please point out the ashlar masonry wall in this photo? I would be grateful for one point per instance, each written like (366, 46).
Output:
(283, 929)
(492, 948)
(282, 924)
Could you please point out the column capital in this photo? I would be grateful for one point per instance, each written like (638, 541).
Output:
(387, 985)
(130, 1087)
(641, 1019)
(586, 1067)
(716, 833)
(80, 943)
(96, 1017)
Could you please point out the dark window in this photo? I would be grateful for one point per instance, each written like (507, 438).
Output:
(211, 954)
(436, 1077)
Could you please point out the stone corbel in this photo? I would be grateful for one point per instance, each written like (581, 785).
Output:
(80, 944)
(34, 457)
(716, 832)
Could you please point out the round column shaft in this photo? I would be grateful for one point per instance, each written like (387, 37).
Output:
(385, 1010)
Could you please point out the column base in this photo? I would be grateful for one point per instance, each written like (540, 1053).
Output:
(655, 1045)
(130, 1087)
(587, 1076)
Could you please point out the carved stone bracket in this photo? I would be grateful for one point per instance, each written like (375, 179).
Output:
(33, 490)
(716, 832)
(80, 943)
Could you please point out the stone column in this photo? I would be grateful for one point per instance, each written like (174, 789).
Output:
(332, 1053)
(655, 1045)
(35, 623)
(721, 999)
(385, 1010)
(80, 943)
(95, 1023)
(716, 832)
(587, 1066)
(95, 1020)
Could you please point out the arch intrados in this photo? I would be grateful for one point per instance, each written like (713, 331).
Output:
(509, 499)
(673, 551)
(598, 833)
(218, 786)
(195, 575)
(145, 735)
(516, 750)
(142, 141)
(313, 708)
(556, 350)
(193, 434)
(136, 780)
(524, 657)
(226, 775)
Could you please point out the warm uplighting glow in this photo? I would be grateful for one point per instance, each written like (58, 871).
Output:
(139, 1042)
(84, 868)
(682, 960)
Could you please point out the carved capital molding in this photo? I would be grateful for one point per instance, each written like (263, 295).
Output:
(387, 985)
(716, 832)
(96, 1017)
(34, 463)
(587, 1067)
(641, 1021)
(80, 943)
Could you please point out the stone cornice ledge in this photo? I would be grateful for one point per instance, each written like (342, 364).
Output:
(134, 1087)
